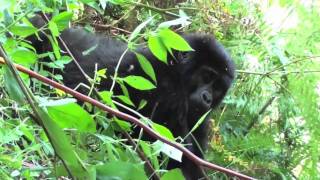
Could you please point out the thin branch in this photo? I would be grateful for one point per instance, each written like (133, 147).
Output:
(116, 70)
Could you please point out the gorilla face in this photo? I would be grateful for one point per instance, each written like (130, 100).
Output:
(206, 74)
(193, 83)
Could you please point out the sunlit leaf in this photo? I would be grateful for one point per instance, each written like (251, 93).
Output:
(72, 116)
(172, 40)
(23, 30)
(139, 82)
(175, 174)
(126, 100)
(200, 121)
(121, 170)
(163, 131)
(23, 56)
(146, 67)
(157, 48)
(13, 87)
(62, 20)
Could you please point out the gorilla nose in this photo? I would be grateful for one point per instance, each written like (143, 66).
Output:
(206, 97)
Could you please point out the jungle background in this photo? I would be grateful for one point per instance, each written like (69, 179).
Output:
(268, 126)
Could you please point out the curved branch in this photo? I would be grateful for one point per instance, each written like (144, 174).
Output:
(131, 119)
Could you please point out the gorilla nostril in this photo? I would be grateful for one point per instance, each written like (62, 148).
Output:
(206, 97)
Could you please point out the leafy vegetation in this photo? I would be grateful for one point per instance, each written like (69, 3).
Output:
(267, 127)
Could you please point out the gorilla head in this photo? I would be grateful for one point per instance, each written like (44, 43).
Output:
(189, 86)
(194, 83)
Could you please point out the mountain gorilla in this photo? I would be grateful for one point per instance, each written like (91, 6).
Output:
(189, 86)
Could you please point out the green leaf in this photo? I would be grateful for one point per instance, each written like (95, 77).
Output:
(150, 153)
(62, 20)
(142, 104)
(72, 116)
(138, 82)
(124, 125)
(175, 174)
(162, 130)
(23, 56)
(146, 67)
(13, 87)
(106, 98)
(126, 100)
(121, 170)
(157, 48)
(23, 30)
(172, 40)
(62, 146)
(53, 28)
(199, 122)
(60, 63)
(55, 47)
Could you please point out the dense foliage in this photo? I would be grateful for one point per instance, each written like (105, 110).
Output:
(267, 127)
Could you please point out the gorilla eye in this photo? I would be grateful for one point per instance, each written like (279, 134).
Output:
(209, 77)
(183, 56)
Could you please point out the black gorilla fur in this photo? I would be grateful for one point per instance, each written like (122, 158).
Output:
(193, 83)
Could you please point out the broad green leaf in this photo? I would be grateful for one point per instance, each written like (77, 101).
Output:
(157, 48)
(121, 170)
(23, 30)
(23, 56)
(126, 100)
(124, 89)
(55, 47)
(175, 174)
(138, 82)
(53, 28)
(106, 98)
(60, 63)
(172, 40)
(62, 146)
(13, 87)
(72, 116)
(62, 20)
(162, 130)
(60, 170)
(124, 125)
(146, 67)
